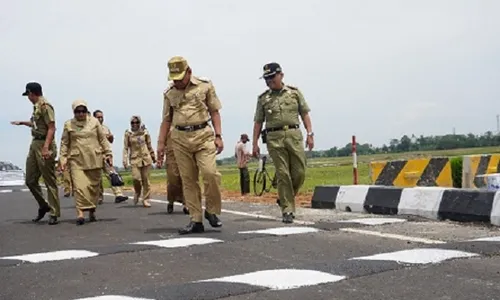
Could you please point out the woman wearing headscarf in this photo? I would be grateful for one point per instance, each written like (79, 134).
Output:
(84, 148)
(138, 152)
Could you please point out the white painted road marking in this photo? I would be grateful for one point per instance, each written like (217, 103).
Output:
(393, 236)
(114, 297)
(373, 221)
(281, 279)
(283, 230)
(53, 256)
(418, 256)
(487, 239)
(6, 191)
(179, 242)
(233, 212)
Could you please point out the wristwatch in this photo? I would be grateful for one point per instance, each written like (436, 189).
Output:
(310, 133)
(218, 136)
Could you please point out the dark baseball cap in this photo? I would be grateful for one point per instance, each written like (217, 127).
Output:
(271, 69)
(244, 136)
(33, 87)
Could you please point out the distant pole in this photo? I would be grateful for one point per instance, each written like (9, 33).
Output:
(498, 124)
(354, 161)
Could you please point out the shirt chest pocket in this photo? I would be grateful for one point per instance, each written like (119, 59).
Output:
(290, 105)
(196, 97)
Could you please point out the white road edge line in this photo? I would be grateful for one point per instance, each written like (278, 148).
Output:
(233, 212)
(393, 236)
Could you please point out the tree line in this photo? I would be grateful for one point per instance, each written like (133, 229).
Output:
(406, 144)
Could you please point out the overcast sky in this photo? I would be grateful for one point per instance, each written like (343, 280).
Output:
(376, 69)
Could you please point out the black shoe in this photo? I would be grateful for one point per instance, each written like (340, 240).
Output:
(213, 219)
(185, 210)
(170, 208)
(53, 220)
(41, 213)
(287, 218)
(278, 202)
(92, 217)
(120, 199)
(192, 227)
(80, 221)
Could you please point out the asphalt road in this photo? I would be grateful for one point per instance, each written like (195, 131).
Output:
(325, 255)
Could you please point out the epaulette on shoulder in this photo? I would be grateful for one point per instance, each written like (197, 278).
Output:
(292, 87)
(204, 79)
(263, 93)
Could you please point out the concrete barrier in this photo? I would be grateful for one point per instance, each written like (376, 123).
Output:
(434, 171)
(463, 205)
(476, 165)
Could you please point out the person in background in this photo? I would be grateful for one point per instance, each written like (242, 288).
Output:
(138, 151)
(242, 158)
(41, 160)
(83, 150)
(117, 191)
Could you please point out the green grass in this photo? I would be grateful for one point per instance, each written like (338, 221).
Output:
(322, 171)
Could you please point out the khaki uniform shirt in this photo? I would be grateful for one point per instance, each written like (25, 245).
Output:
(137, 148)
(83, 144)
(280, 108)
(191, 106)
(43, 114)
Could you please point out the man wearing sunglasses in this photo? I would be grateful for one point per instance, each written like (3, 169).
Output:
(41, 160)
(117, 191)
(189, 105)
(280, 107)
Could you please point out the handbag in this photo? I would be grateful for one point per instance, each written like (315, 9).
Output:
(115, 178)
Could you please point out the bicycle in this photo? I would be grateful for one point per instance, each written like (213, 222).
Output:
(261, 176)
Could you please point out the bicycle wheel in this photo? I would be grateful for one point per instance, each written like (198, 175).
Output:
(259, 183)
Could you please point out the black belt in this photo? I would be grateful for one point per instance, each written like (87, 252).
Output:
(192, 127)
(286, 127)
(39, 137)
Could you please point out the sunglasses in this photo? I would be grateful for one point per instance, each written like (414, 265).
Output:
(80, 111)
(134, 122)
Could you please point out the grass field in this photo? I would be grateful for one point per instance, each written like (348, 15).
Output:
(320, 171)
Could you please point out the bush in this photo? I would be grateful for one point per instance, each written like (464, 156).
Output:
(456, 170)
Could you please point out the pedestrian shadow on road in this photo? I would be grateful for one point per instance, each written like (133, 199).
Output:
(175, 230)
(63, 221)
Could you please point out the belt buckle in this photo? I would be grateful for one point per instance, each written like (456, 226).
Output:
(189, 128)
(285, 127)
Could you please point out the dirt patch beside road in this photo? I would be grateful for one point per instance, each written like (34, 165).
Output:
(302, 200)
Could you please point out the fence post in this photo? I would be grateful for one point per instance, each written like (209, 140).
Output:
(354, 161)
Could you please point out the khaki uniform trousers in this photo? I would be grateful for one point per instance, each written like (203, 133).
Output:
(67, 185)
(37, 167)
(140, 177)
(195, 152)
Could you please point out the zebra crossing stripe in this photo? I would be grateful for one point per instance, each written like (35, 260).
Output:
(52, 256)
(179, 242)
(113, 297)
(283, 230)
(373, 221)
(419, 256)
(280, 279)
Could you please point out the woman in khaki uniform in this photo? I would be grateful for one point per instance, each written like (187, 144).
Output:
(138, 151)
(84, 148)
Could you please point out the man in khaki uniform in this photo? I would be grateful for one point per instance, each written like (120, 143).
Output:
(42, 153)
(117, 191)
(188, 106)
(280, 107)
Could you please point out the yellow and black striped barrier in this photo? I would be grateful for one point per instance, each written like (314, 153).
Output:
(434, 171)
(476, 165)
